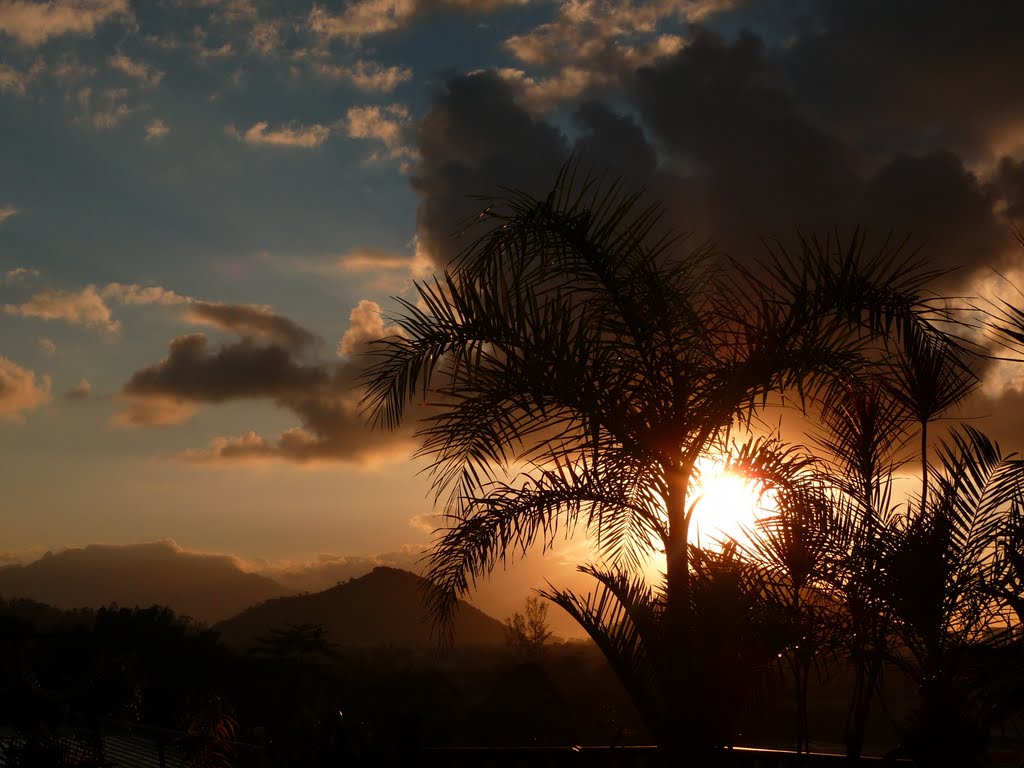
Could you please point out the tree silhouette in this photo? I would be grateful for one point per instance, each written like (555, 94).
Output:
(575, 365)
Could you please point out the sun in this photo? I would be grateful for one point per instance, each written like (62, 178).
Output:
(727, 506)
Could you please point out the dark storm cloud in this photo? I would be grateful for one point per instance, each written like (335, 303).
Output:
(761, 165)
(473, 139)
(742, 139)
(1009, 186)
(246, 369)
(913, 75)
(944, 205)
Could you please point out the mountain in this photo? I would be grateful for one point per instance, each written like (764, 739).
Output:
(205, 587)
(384, 607)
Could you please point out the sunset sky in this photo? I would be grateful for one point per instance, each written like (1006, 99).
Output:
(203, 204)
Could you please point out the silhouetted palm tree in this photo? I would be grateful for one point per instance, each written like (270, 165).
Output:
(574, 366)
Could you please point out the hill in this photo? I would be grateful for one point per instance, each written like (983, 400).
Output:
(206, 587)
(384, 607)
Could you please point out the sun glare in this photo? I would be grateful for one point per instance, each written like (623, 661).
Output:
(728, 506)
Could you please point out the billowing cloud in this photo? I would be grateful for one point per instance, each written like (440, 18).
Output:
(80, 391)
(6, 212)
(365, 323)
(474, 137)
(294, 136)
(32, 23)
(20, 391)
(85, 307)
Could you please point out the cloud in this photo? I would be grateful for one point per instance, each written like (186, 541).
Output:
(365, 75)
(361, 18)
(594, 44)
(47, 347)
(146, 74)
(6, 212)
(474, 137)
(89, 307)
(135, 295)
(297, 136)
(325, 571)
(365, 323)
(156, 129)
(364, 18)
(33, 23)
(20, 274)
(244, 369)
(323, 397)
(80, 391)
(154, 412)
(85, 307)
(250, 320)
(389, 125)
(16, 81)
(20, 391)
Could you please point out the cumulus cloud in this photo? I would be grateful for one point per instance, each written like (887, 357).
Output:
(33, 23)
(365, 323)
(80, 391)
(294, 136)
(20, 391)
(146, 74)
(47, 347)
(6, 212)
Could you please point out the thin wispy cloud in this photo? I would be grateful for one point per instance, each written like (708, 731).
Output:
(146, 74)
(292, 136)
(7, 212)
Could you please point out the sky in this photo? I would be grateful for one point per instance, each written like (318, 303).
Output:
(205, 204)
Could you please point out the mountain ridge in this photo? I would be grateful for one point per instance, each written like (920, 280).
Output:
(384, 607)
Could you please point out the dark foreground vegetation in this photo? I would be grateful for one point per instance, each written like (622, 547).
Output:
(578, 365)
(80, 686)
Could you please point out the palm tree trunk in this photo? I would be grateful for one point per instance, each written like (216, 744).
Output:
(679, 732)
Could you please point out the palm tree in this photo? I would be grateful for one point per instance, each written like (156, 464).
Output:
(574, 364)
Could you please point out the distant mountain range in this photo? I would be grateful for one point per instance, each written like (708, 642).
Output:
(384, 607)
(206, 587)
